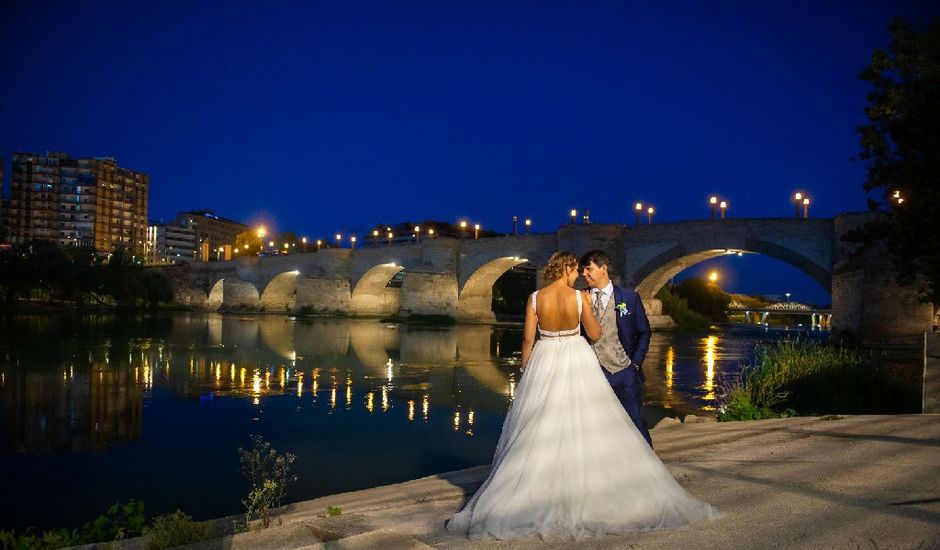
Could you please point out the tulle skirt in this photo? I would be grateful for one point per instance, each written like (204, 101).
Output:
(570, 463)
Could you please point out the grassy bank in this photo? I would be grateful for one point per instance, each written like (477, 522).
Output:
(812, 378)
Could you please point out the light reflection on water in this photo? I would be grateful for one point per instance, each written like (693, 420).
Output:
(87, 403)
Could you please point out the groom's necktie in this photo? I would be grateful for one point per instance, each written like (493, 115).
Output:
(598, 306)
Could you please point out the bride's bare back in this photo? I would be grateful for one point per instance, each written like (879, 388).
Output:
(557, 308)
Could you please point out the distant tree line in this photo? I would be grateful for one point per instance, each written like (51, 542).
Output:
(45, 272)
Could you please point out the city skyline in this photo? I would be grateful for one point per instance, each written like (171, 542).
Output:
(334, 117)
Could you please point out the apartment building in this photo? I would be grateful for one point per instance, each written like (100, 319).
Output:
(78, 202)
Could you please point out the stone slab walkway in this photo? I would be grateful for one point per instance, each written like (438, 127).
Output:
(856, 482)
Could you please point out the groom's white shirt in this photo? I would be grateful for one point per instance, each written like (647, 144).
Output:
(604, 294)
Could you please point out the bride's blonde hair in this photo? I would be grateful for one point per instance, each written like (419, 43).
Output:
(555, 268)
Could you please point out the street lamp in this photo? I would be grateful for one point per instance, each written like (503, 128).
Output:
(787, 294)
(218, 253)
(476, 231)
(713, 202)
(431, 232)
(797, 201)
(390, 235)
(304, 241)
(528, 225)
(515, 221)
(339, 240)
(319, 243)
(463, 228)
(574, 215)
(806, 208)
(375, 238)
(417, 234)
(649, 212)
(724, 206)
(638, 208)
(286, 248)
(352, 242)
(713, 277)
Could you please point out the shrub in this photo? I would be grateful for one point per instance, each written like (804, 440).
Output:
(333, 511)
(269, 473)
(176, 529)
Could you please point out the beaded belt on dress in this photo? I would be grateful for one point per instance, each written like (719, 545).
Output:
(564, 334)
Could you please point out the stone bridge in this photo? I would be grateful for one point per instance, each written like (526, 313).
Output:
(453, 277)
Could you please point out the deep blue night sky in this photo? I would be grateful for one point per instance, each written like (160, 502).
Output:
(334, 116)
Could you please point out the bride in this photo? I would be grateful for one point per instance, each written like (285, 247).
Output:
(570, 463)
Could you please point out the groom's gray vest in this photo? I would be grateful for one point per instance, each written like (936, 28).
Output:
(609, 350)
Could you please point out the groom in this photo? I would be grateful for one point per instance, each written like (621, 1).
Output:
(625, 337)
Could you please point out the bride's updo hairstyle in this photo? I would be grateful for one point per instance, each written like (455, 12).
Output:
(555, 268)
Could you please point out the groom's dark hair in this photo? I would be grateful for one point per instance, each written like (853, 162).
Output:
(599, 257)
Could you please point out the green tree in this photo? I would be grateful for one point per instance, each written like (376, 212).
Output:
(251, 240)
(901, 144)
(705, 298)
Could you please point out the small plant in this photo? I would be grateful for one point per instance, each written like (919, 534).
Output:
(176, 529)
(269, 473)
(120, 522)
(333, 511)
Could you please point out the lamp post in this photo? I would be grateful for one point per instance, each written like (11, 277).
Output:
(286, 248)
(463, 228)
(417, 234)
(303, 240)
(375, 238)
(431, 232)
(319, 244)
(390, 235)
(797, 201)
(805, 207)
(713, 202)
(724, 206)
(574, 215)
(649, 212)
(515, 221)
(352, 242)
(528, 225)
(339, 240)
(476, 231)
(638, 209)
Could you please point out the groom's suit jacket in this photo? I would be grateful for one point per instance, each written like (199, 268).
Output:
(633, 328)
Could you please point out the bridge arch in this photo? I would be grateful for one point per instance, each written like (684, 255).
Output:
(656, 272)
(371, 294)
(475, 298)
(233, 293)
(280, 294)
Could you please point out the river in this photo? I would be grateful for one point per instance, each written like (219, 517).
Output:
(100, 408)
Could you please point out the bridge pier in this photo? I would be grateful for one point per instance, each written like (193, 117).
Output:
(426, 293)
(322, 295)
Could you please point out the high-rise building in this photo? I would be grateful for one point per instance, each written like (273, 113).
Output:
(210, 228)
(79, 202)
(170, 243)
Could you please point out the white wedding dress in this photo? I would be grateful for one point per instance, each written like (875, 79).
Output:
(569, 462)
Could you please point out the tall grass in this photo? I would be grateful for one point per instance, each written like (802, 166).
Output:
(805, 377)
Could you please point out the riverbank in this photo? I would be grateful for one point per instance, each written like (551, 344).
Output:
(851, 482)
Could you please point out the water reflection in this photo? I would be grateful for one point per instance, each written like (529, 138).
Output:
(89, 393)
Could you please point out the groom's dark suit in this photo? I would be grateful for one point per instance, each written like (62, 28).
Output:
(633, 330)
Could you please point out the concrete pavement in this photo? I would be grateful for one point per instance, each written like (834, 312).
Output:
(853, 482)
